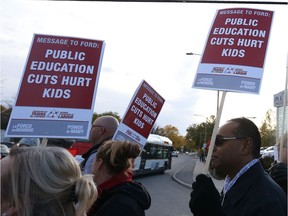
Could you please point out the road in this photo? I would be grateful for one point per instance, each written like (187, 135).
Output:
(169, 198)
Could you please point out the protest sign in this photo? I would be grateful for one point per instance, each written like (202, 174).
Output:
(234, 55)
(58, 88)
(140, 115)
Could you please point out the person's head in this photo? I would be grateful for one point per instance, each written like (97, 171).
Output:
(237, 142)
(44, 181)
(114, 157)
(284, 140)
(103, 128)
(29, 142)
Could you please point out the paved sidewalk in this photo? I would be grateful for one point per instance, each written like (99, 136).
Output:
(187, 174)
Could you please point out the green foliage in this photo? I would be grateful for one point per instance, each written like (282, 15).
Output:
(195, 136)
(268, 130)
(157, 130)
(173, 134)
(5, 116)
(198, 134)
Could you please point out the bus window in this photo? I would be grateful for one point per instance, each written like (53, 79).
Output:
(165, 153)
(159, 152)
(156, 155)
(153, 152)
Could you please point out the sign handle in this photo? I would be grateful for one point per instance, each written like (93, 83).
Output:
(284, 115)
(44, 142)
(216, 126)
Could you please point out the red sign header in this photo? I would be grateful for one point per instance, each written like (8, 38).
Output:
(239, 36)
(60, 72)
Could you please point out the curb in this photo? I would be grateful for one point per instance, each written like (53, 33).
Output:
(196, 170)
(181, 182)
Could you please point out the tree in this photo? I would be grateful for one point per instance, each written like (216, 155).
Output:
(157, 130)
(5, 116)
(268, 130)
(172, 132)
(198, 134)
(192, 136)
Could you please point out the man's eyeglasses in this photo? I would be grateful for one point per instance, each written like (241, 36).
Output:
(221, 140)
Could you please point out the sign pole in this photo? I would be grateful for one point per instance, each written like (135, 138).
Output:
(284, 114)
(216, 126)
(44, 142)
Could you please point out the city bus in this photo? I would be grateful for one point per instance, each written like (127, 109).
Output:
(156, 156)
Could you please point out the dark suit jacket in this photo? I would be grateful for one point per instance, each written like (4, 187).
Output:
(255, 193)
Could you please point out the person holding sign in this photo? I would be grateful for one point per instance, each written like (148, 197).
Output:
(102, 129)
(44, 181)
(118, 193)
(248, 189)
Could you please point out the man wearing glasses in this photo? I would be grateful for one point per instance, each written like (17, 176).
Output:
(248, 189)
(102, 129)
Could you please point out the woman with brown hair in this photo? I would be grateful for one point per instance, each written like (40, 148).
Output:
(118, 193)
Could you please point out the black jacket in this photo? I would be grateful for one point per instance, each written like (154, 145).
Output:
(91, 151)
(127, 199)
(255, 194)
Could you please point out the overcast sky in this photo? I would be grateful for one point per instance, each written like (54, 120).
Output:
(143, 41)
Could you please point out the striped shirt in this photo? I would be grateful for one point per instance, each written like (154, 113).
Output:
(228, 183)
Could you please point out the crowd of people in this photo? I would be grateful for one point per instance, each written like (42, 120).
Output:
(39, 179)
(47, 180)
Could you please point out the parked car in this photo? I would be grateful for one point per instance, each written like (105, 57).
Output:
(8, 144)
(262, 149)
(267, 157)
(4, 150)
(268, 152)
(175, 154)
